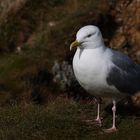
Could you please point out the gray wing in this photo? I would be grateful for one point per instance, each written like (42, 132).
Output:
(125, 75)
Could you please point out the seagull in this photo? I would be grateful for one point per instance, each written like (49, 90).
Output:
(102, 71)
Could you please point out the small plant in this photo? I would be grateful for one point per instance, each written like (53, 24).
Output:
(63, 74)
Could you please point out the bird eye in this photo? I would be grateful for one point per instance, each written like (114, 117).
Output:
(89, 35)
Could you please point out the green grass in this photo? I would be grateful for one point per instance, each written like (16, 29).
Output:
(16, 69)
(60, 120)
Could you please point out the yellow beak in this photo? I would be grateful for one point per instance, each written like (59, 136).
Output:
(74, 44)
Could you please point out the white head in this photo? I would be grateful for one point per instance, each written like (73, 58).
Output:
(88, 37)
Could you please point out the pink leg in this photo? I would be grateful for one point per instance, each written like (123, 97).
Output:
(113, 128)
(98, 119)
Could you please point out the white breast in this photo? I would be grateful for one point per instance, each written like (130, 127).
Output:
(91, 68)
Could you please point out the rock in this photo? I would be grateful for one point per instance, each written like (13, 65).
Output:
(138, 55)
(136, 99)
(52, 24)
(126, 15)
(118, 41)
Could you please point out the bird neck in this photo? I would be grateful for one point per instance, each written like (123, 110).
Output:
(96, 49)
(95, 45)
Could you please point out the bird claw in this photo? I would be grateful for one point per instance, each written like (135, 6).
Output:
(110, 130)
(98, 122)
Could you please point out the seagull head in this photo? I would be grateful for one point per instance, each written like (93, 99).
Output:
(88, 37)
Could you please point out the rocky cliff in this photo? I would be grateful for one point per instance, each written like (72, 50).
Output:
(126, 15)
